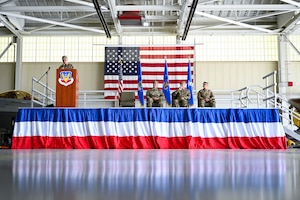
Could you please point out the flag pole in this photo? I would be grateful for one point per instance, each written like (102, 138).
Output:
(120, 85)
(166, 85)
(140, 84)
(190, 83)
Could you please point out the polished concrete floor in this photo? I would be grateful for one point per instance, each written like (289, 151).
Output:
(150, 174)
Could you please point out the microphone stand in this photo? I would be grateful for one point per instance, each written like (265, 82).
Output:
(47, 90)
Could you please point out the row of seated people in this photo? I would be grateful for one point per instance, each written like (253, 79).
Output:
(180, 97)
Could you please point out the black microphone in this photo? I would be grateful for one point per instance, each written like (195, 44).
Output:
(46, 73)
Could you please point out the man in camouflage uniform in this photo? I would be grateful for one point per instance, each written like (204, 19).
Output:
(206, 97)
(181, 96)
(155, 96)
(66, 64)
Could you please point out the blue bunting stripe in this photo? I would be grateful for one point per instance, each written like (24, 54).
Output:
(144, 114)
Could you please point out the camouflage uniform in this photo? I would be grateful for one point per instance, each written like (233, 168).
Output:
(202, 94)
(154, 92)
(177, 100)
(66, 66)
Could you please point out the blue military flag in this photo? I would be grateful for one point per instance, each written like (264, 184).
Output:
(166, 86)
(140, 85)
(190, 84)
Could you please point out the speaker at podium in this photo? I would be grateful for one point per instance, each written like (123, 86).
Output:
(67, 88)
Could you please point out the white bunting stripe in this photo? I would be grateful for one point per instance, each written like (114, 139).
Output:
(142, 128)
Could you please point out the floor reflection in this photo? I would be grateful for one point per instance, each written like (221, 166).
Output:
(154, 174)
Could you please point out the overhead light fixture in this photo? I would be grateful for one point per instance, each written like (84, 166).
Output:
(101, 17)
(218, 2)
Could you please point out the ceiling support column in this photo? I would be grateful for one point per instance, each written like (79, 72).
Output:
(282, 64)
(18, 72)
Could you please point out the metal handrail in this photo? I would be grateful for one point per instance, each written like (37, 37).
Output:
(86, 94)
(45, 97)
(268, 86)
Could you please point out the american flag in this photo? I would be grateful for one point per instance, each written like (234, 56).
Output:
(152, 60)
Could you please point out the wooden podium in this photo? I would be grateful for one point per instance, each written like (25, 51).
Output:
(66, 88)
